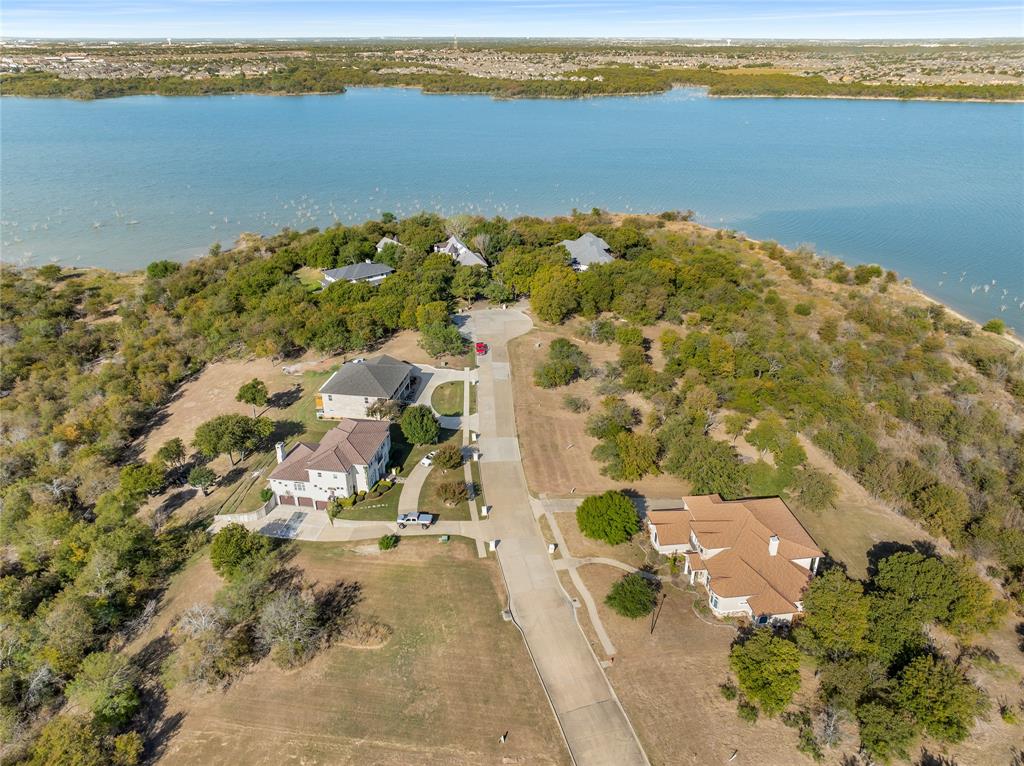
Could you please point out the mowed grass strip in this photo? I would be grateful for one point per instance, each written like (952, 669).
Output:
(447, 398)
(453, 678)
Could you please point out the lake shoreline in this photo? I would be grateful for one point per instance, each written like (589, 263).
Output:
(913, 294)
(523, 97)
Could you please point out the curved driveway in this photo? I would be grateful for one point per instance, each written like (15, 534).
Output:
(596, 727)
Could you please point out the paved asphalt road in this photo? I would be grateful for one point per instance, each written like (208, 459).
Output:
(595, 726)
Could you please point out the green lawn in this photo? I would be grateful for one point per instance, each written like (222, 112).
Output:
(429, 501)
(405, 455)
(309, 278)
(472, 400)
(447, 398)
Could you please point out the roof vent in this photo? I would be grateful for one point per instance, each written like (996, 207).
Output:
(773, 545)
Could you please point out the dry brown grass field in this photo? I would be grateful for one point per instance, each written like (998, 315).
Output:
(547, 429)
(451, 680)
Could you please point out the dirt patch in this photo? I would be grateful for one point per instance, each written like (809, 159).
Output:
(553, 441)
(405, 346)
(212, 393)
(449, 681)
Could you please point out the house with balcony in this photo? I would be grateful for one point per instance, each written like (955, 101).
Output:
(753, 557)
(358, 384)
(352, 457)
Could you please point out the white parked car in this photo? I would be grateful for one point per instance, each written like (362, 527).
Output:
(428, 459)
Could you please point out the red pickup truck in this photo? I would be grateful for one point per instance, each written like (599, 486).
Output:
(481, 348)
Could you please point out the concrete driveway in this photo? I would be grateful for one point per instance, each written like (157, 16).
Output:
(596, 728)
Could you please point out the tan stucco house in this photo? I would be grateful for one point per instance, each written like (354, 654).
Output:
(362, 382)
(753, 556)
(352, 457)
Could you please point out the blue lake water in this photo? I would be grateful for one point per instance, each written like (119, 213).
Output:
(933, 190)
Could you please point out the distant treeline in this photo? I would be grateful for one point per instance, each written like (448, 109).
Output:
(329, 77)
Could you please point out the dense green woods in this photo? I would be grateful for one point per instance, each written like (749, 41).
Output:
(312, 76)
(920, 408)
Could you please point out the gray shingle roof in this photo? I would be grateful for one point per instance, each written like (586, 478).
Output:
(380, 377)
(588, 249)
(358, 271)
(460, 252)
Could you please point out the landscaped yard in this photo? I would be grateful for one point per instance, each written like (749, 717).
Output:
(447, 398)
(451, 680)
(430, 502)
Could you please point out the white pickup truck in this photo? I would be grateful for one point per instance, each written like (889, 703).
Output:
(423, 519)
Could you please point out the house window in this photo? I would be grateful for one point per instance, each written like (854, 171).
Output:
(300, 486)
(319, 475)
(330, 398)
(714, 601)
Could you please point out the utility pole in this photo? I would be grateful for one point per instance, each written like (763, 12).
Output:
(657, 611)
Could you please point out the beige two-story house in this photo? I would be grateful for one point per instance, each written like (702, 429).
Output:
(753, 556)
(352, 457)
(360, 383)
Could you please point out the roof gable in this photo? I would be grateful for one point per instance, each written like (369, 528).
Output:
(365, 270)
(588, 249)
(350, 443)
(380, 377)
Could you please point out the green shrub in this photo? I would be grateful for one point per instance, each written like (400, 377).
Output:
(387, 542)
(448, 457)
(633, 596)
(803, 309)
(610, 517)
(629, 335)
(728, 690)
(1009, 714)
(747, 711)
(554, 374)
(419, 425)
(997, 326)
(235, 549)
(451, 493)
(266, 493)
(767, 668)
(575, 403)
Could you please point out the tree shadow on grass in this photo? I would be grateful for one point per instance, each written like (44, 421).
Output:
(172, 503)
(284, 399)
(156, 728)
(886, 548)
(286, 429)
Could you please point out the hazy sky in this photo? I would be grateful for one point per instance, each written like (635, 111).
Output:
(512, 18)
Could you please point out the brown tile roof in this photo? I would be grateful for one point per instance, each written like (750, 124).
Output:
(351, 442)
(744, 528)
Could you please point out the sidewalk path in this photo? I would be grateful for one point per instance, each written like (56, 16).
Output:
(595, 726)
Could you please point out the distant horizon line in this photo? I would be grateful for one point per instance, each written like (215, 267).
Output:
(629, 38)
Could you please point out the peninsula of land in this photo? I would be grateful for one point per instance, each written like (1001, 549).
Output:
(989, 70)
